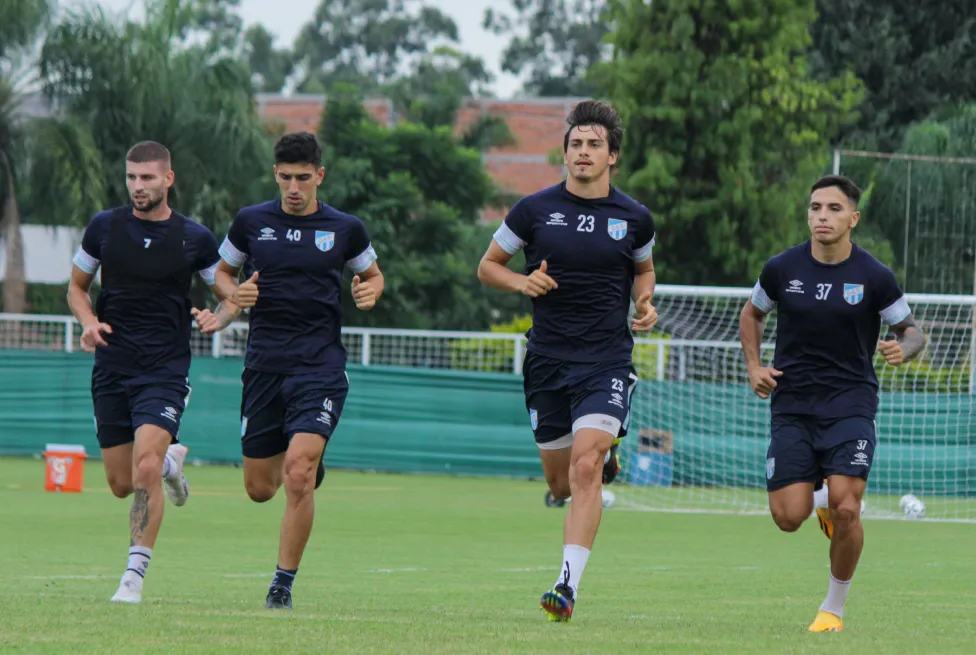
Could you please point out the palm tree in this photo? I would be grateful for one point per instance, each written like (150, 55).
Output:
(131, 82)
(20, 23)
(49, 161)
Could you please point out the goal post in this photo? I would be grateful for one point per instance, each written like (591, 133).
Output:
(698, 435)
(923, 208)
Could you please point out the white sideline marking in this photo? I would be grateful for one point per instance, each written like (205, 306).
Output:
(248, 575)
(527, 570)
(406, 570)
(64, 577)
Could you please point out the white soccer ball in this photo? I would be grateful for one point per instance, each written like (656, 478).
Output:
(864, 507)
(912, 506)
(609, 499)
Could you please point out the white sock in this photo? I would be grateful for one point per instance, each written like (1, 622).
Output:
(836, 597)
(574, 561)
(169, 466)
(820, 498)
(139, 557)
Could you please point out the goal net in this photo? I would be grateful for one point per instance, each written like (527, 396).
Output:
(698, 435)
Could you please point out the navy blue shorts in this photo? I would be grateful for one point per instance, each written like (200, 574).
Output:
(562, 397)
(276, 406)
(123, 403)
(807, 449)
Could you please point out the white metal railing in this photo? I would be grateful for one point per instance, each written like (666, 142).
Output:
(683, 310)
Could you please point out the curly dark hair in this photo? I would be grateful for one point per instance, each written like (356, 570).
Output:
(298, 148)
(594, 112)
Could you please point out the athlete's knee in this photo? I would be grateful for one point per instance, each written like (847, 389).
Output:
(260, 491)
(587, 467)
(559, 485)
(788, 516)
(786, 520)
(846, 512)
(120, 485)
(300, 474)
(148, 469)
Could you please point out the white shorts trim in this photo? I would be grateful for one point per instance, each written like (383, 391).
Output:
(604, 422)
(565, 441)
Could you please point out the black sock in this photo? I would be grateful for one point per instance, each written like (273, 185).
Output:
(284, 578)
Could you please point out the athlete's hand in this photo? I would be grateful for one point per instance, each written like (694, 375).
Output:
(646, 314)
(363, 293)
(206, 320)
(91, 338)
(892, 352)
(538, 283)
(246, 295)
(763, 380)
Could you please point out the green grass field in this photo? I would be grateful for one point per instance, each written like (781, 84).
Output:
(418, 564)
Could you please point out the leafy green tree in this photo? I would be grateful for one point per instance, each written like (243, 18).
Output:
(914, 59)
(130, 82)
(553, 43)
(42, 160)
(725, 129)
(925, 208)
(365, 42)
(420, 194)
(270, 66)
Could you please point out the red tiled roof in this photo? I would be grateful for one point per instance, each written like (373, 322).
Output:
(537, 126)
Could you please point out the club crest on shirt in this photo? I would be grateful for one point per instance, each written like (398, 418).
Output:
(324, 240)
(617, 228)
(853, 293)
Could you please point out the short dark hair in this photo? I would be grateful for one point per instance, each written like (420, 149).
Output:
(145, 152)
(298, 148)
(847, 187)
(594, 112)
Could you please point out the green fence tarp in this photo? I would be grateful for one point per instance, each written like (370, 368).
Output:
(432, 420)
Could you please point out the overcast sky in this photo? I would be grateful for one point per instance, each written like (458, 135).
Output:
(284, 19)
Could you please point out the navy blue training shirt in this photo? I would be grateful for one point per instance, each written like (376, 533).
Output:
(295, 325)
(149, 331)
(591, 248)
(827, 328)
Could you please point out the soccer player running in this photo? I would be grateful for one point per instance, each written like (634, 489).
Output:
(587, 253)
(831, 297)
(294, 369)
(139, 331)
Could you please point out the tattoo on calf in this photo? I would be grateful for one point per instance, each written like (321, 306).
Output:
(138, 516)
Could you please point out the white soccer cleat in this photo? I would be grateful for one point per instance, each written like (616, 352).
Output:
(129, 592)
(177, 488)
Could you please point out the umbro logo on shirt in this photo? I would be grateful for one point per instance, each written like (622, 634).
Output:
(795, 287)
(556, 219)
(267, 234)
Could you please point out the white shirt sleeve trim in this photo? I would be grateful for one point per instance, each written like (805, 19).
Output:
(86, 262)
(209, 274)
(896, 312)
(230, 254)
(363, 260)
(761, 300)
(643, 253)
(508, 240)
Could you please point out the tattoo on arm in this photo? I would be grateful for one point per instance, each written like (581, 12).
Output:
(138, 517)
(910, 336)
